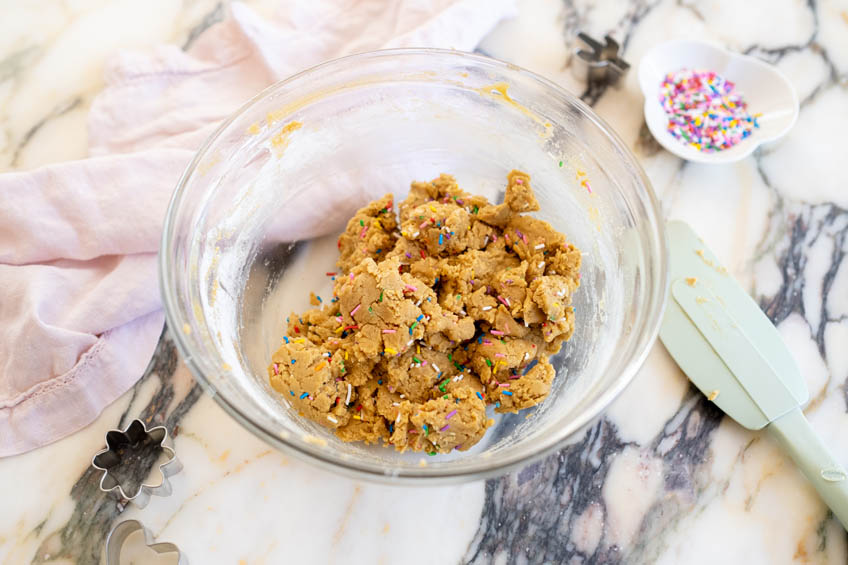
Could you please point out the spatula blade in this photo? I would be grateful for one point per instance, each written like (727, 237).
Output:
(722, 340)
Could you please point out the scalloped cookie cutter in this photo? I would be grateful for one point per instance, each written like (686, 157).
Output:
(122, 448)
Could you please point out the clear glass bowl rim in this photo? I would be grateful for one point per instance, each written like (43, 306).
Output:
(433, 475)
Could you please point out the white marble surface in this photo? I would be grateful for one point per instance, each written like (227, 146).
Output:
(662, 478)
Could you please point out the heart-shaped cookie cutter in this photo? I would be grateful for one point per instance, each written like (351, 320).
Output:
(120, 443)
(119, 534)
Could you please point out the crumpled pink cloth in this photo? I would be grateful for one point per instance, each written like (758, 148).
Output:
(80, 312)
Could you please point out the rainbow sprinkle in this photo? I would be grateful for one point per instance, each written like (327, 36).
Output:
(705, 111)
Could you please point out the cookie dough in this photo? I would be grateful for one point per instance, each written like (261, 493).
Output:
(452, 305)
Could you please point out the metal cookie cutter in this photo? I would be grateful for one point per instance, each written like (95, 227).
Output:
(116, 538)
(601, 64)
(131, 451)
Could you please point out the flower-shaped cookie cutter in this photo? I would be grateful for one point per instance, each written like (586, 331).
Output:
(601, 63)
(119, 534)
(131, 448)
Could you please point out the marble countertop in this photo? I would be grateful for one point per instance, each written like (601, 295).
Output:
(661, 478)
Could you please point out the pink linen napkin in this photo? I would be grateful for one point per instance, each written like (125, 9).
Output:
(80, 312)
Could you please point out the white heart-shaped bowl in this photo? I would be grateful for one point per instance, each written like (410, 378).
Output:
(766, 90)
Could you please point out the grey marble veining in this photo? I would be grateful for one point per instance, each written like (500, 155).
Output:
(81, 538)
(662, 477)
(546, 513)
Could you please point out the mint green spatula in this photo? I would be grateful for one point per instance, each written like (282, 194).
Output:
(734, 355)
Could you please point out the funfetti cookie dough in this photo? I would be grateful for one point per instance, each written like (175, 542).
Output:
(454, 304)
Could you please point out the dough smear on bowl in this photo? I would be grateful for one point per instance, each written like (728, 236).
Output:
(454, 304)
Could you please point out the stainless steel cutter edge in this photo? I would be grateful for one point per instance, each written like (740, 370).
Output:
(167, 469)
(118, 535)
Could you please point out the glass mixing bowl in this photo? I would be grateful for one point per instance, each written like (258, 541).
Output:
(252, 227)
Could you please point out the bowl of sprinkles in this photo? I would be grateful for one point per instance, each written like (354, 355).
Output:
(709, 105)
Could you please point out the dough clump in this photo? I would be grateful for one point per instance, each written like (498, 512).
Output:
(450, 306)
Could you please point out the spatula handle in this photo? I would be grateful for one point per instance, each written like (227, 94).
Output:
(812, 456)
